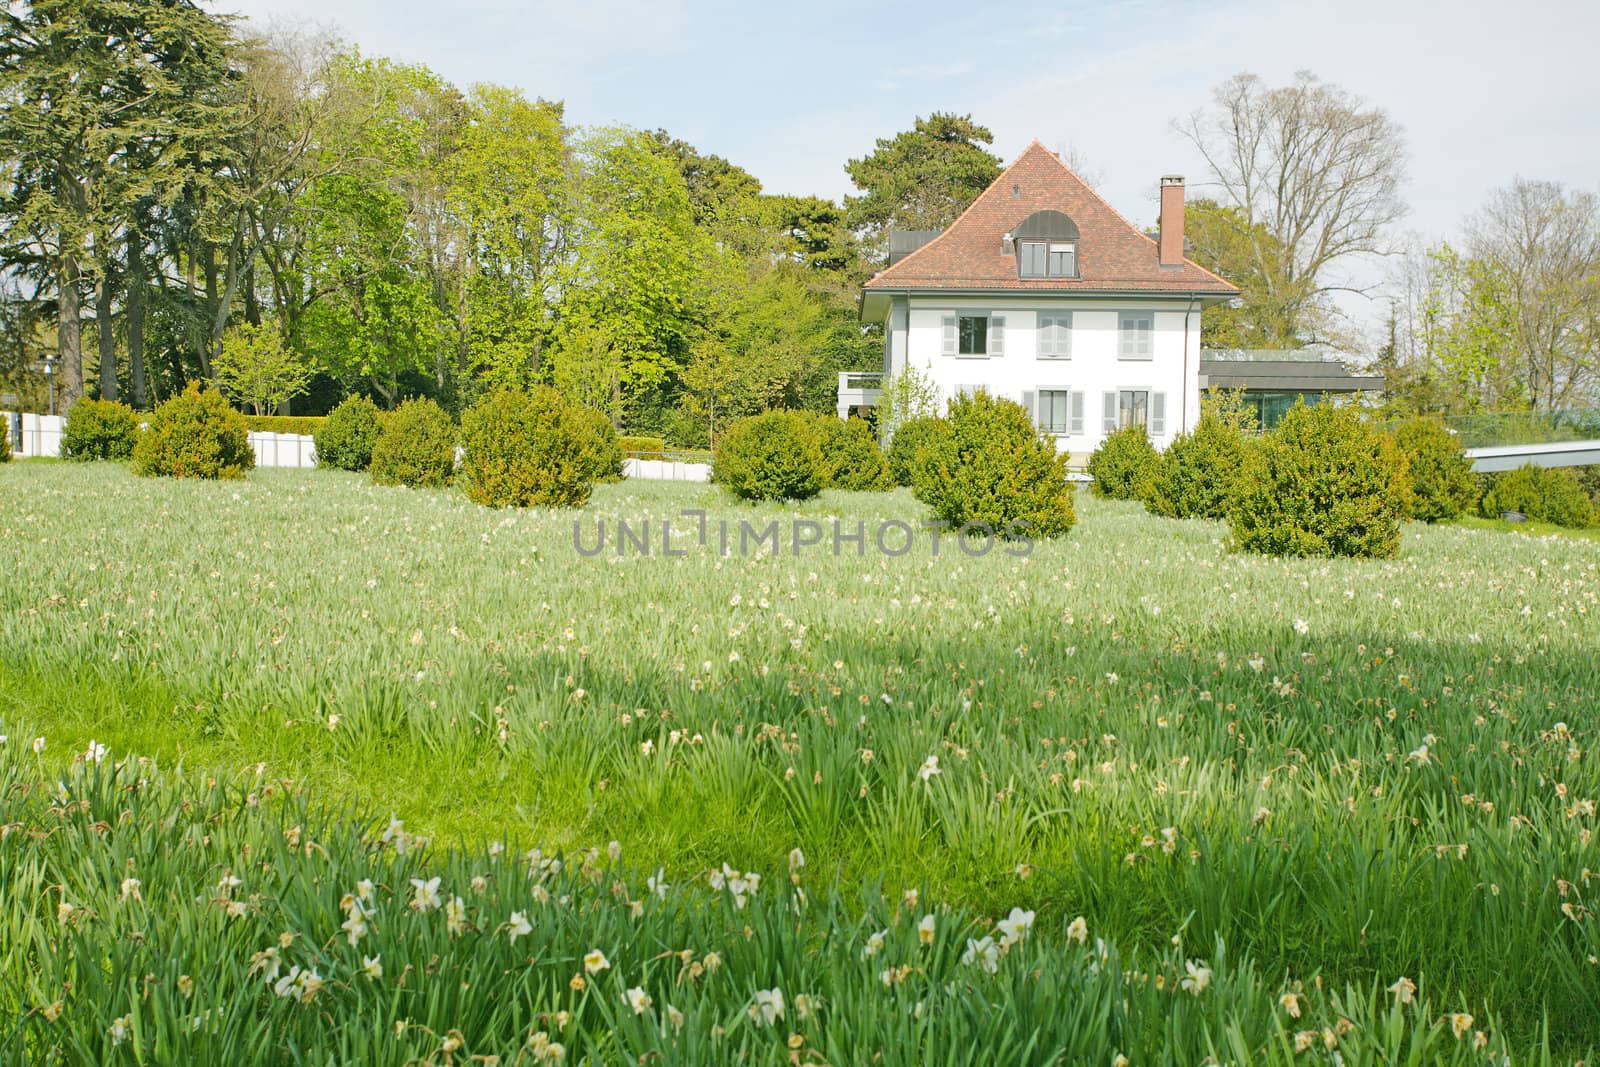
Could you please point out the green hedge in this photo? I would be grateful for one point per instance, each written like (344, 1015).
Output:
(1544, 494)
(641, 444)
(305, 425)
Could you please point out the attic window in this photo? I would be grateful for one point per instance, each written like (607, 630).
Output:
(1047, 246)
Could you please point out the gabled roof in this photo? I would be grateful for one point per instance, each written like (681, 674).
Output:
(1113, 256)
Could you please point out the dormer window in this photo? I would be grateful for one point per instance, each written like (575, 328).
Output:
(1046, 246)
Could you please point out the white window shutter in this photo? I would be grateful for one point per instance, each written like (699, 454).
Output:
(1064, 335)
(1147, 336)
(1075, 422)
(997, 335)
(949, 323)
(1158, 414)
(1047, 335)
(1108, 412)
(1030, 404)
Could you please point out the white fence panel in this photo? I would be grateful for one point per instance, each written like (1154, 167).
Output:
(41, 435)
(666, 470)
(283, 449)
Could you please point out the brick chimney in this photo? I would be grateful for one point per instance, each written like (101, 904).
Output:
(1171, 243)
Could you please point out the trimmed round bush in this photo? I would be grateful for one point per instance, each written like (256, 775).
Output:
(601, 446)
(1543, 494)
(989, 467)
(416, 447)
(1194, 476)
(196, 434)
(99, 429)
(1442, 483)
(851, 457)
(1322, 483)
(775, 456)
(529, 449)
(1124, 466)
(346, 437)
(908, 437)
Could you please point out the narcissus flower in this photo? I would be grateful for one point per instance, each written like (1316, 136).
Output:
(425, 894)
(637, 999)
(768, 1006)
(595, 962)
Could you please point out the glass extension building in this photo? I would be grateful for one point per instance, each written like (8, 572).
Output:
(1274, 380)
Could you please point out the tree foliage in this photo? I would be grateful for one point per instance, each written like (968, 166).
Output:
(922, 178)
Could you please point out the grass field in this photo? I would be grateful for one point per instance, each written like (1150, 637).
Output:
(1310, 778)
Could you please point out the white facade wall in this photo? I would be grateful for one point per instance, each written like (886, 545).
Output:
(1093, 368)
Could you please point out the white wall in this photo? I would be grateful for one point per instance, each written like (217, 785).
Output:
(1094, 367)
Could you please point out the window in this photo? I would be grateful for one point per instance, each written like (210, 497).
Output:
(1034, 259)
(1055, 411)
(1046, 245)
(1136, 335)
(974, 335)
(1135, 407)
(1055, 335)
(1063, 260)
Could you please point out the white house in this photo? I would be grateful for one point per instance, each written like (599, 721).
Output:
(1043, 293)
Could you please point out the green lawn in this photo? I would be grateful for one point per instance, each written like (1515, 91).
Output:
(1352, 770)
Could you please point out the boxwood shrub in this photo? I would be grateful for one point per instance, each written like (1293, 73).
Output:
(775, 456)
(196, 434)
(1442, 483)
(99, 429)
(1194, 476)
(851, 456)
(987, 465)
(416, 446)
(346, 437)
(1543, 494)
(1322, 483)
(529, 449)
(908, 437)
(1124, 466)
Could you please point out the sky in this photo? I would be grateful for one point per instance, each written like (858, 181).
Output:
(1485, 92)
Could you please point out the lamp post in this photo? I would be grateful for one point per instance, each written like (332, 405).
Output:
(50, 377)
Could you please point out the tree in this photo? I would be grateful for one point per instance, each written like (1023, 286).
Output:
(103, 104)
(255, 367)
(636, 259)
(1223, 240)
(1538, 246)
(509, 185)
(1315, 175)
(920, 179)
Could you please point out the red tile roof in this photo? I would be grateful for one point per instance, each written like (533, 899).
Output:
(1112, 254)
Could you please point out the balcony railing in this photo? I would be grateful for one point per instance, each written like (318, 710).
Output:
(856, 380)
